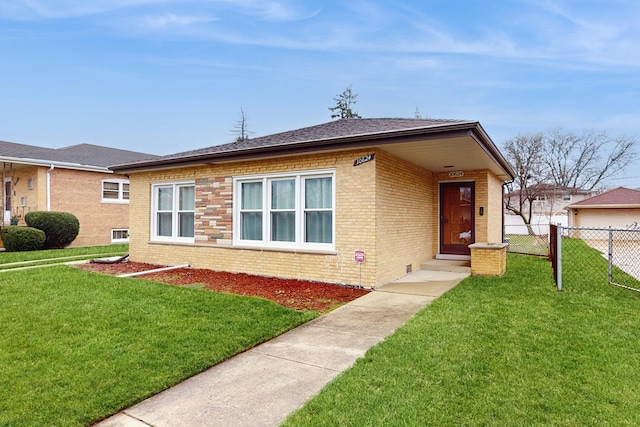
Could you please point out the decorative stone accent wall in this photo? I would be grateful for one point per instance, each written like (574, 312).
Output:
(214, 210)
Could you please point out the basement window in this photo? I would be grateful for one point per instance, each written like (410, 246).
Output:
(120, 235)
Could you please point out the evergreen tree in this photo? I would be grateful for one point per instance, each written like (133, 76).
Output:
(344, 105)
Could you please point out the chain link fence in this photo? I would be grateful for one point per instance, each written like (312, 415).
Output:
(602, 255)
(530, 239)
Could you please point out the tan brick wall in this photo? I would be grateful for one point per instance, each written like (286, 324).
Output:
(355, 221)
(404, 194)
(80, 193)
(487, 260)
(386, 207)
(494, 209)
(20, 189)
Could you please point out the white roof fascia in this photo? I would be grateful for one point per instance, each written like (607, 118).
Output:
(57, 164)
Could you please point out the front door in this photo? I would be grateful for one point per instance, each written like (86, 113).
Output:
(7, 200)
(457, 217)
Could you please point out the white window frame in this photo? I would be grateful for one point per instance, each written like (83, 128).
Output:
(266, 241)
(121, 192)
(175, 186)
(119, 240)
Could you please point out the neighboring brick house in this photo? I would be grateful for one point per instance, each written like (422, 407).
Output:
(73, 179)
(301, 204)
(617, 208)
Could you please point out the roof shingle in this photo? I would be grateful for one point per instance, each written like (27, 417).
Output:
(618, 196)
(81, 154)
(331, 130)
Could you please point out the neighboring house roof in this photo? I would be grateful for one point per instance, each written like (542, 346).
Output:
(620, 197)
(551, 190)
(347, 134)
(81, 156)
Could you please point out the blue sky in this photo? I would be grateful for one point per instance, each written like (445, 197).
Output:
(164, 76)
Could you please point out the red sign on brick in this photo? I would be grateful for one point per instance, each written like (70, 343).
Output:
(358, 256)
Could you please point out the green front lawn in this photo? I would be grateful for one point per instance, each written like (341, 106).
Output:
(501, 352)
(10, 260)
(78, 346)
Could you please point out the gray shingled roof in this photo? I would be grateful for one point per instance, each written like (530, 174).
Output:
(325, 131)
(81, 154)
(319, 136)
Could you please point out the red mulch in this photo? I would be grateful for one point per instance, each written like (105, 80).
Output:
(296, 294)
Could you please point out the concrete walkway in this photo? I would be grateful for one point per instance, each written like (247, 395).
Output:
(261, 386)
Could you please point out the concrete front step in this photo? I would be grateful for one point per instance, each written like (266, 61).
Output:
(456, 266)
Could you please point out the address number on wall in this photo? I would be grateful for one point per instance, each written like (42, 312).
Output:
(456, 174)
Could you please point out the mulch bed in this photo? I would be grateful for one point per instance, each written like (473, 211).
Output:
(296, 294)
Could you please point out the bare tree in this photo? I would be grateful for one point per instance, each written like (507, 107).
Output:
(584, 161)
(241, 127)
(557, 160)
(524, 154)
(344, 105)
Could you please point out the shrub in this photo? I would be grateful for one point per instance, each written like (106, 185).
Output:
(17, 239)
(60, 228)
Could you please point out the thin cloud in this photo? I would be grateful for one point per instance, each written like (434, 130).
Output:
(173, 20)
(552, 32)
(276, 10)
(61, 9)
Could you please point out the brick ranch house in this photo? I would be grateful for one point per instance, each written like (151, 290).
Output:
(73, 179)
(301, 204)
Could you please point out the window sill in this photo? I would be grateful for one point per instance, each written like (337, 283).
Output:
(114, 202)
(288, 250)
(247, 248)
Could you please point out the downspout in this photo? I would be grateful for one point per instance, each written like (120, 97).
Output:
(4, 196)
(49, 187)
(504, 184)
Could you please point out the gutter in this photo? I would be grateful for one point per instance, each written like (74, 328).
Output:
(61, 165)
(492, 150)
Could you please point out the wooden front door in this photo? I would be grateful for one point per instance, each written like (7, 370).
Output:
(457, 217)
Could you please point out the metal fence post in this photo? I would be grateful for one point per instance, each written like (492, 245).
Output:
(610, 272)
(559, 258)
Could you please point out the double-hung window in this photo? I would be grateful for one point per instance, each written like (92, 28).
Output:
(173, 212)
(285, 210)
(115, 191)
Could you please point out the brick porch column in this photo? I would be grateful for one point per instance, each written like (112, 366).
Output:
(488, 259)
